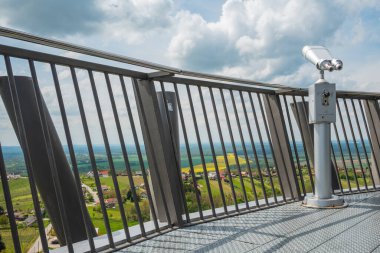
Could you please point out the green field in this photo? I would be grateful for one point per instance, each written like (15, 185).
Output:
(114, 213)
(122, 181)
(221, 164)
(22, 202)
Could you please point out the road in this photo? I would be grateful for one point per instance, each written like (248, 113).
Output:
(37, 246)
(93, 193)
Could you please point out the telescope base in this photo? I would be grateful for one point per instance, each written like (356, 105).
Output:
(314, 202)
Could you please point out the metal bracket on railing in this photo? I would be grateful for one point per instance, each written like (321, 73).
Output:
(372, 112)
(281, 148)
(159, 74)
(162, 163)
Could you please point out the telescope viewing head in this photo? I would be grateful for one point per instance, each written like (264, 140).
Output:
(320, 57)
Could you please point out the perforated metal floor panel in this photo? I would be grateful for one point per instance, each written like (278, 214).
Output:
(287, 228)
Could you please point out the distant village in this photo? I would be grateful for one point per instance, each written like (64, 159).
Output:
(110, 199)
(19, 216)
(13, 176)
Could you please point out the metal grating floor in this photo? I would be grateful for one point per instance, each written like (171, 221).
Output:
(287, 228)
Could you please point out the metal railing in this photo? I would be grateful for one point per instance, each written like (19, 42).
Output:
(178, 150)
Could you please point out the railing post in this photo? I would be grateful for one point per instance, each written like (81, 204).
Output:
(39, 158)
(281, 146)
(308, 136)
(163, 166)
(372, 112)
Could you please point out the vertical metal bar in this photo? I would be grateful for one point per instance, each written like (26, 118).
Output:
(370, 144)
(262, 146)
(141, 161)
(311, 133)
(355, 144)
(234, 148)
(201, 150)
(362, 141)
(51, 158)
(298, 118)
(294, 144)
(270, 145)
(109, 154)
(92, 157)
(223, 149)
(166, 143)
(254, 150)
(374, 146)
(282, 147)
(244, 148)
(88, 225)
(306, 128)
(336, 169)
(150, 147)
(8, 203)
(342, 156)
(189, 156)
(212, 150)
(24, 143)
(348, 145)
(177, 153)
(41, 161)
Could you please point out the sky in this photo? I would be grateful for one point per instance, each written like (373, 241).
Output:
(258, 40)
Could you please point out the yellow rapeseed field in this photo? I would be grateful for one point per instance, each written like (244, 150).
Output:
(221, 164)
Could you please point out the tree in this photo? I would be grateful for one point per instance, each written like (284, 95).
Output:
(129, 195)
(2, 244)
(90, 198)
(3, 220)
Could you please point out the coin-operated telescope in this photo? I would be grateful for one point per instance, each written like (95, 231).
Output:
(322, 112)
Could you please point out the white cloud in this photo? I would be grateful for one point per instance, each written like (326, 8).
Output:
(195, 40)
(3, 21)
(255, 39)
(134, 20)
(260, 40)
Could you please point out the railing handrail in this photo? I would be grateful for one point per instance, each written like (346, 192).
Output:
(339, 93)
(15, 34)
(64, 61)
(45, 57)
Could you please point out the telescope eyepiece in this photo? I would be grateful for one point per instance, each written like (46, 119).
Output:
(325, 65)
(321, 58)
(338, 64)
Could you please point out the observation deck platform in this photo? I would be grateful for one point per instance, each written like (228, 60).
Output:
(286, 228)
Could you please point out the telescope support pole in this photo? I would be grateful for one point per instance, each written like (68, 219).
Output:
(322, 112)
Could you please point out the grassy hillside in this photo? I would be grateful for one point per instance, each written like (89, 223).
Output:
(221, 164)
(22, 202)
